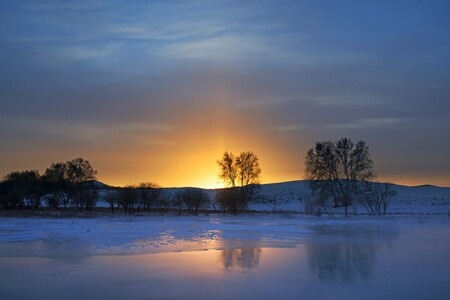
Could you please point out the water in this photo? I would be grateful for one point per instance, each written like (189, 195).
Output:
(401, 259)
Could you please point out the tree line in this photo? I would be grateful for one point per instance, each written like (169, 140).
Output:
(73, 184)
(149, 197)
(241, 173)
(338, 173)
(62, 184)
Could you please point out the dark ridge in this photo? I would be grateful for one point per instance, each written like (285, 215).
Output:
(425, 186)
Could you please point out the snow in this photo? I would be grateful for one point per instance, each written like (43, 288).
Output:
(252, 256)
(166, 232)
(288, 197)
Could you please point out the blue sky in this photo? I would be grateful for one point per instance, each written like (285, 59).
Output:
(150, 90)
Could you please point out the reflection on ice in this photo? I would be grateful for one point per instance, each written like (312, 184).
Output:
(336, 259)
(349, 255)
(245, 258)
(341, 262)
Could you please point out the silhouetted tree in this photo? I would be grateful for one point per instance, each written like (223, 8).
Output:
(4, 194)
(89, 195)
(335, 170)
(127, 198)
(194, 199)
(243, 170)
(377, 197)
(79, 172)
(228, 169)
(56, 177)
(39, 190)
(164, 200)
(177, 202)
(112, 198)
(23, 189)
(149, 195)
(248, 169)
(231, 200)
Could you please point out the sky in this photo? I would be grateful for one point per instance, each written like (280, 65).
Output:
(156, 91)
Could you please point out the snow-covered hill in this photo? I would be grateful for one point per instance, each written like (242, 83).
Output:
(289, 197)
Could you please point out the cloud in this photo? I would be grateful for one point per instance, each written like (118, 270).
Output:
(82, 53)
(173, 31)
(55, 5)
(288, 128)
(93, 133)
(142, 75)
(371, 123)
(225, 48)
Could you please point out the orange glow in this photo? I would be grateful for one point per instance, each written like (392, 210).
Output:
(417, 180)
(181, 146)
(186, 154)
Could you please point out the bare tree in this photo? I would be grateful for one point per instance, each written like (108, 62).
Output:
(228, 169)
(112, 198)
(79, 172)
(335, 170)
(177, 202)
(194, 199)
(243, 170)
(233, 200)
(127, 198)
(149, 195)
(25, 189)
(248, 169)
(377, 197)
(56, 177)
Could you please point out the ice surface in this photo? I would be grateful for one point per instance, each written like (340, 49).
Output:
(244, 257)
(256, 256)
(116, 235)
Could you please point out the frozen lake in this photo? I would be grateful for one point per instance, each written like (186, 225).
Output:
(222, 257)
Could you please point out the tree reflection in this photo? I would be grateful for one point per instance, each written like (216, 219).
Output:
(246, 258)
(350, 259)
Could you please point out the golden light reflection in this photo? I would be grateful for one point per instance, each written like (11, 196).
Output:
(196, 263)
(212, 262)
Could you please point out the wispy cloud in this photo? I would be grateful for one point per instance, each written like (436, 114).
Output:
(97, 133)
(55, 5)
(365, 123)
(372, 123)
(289, 128)
(223, 48)
(169, 31)
(115, 132)
(77, 53)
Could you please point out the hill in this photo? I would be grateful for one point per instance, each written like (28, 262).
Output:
(289, 197)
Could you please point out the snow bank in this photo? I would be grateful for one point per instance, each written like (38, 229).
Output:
(289, 197)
